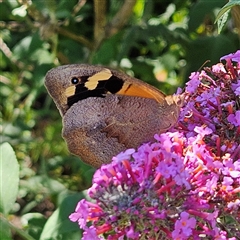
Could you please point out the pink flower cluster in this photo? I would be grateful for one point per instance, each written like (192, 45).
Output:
(184, 186)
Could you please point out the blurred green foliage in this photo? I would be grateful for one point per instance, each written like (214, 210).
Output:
(160, 42)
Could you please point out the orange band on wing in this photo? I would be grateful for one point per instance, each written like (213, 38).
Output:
(141, 91)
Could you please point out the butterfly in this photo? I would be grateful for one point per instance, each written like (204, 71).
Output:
(105, 111)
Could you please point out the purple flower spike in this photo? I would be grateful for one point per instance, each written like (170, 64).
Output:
(186, 185)
(235, 57)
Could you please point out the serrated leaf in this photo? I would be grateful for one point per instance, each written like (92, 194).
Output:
(9, 177)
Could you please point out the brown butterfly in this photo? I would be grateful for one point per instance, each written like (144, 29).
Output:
(105, 111)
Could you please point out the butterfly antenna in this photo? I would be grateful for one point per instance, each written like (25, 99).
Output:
(203, 65)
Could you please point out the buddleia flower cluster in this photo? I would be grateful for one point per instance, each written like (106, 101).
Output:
(186, 185)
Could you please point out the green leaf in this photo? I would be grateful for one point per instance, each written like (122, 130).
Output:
(9, 178)
(33, 224)
(5, 232)
(58, 225)
(107, 52)
(139, 8)
(224, 12)
(222, 20)
(226, 8)
(27, 48)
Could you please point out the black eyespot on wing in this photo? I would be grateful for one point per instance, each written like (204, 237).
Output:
(75, 80)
